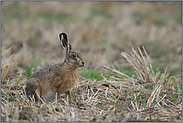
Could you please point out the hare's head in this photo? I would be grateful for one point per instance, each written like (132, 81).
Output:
(71, 57)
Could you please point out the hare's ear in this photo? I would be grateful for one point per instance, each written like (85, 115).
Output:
(70, 47)
(63, 40)
(65, 43)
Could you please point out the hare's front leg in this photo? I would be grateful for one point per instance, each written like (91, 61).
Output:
(70, 98)
(57, 94)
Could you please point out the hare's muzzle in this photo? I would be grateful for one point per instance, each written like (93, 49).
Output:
(82, 64)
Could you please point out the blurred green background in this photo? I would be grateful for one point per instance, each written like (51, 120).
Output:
(100, 31)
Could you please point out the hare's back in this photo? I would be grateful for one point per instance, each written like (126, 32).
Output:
(48, 74)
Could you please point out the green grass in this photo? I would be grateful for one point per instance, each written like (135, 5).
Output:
(144, 103)
(91, 74)
(102, 105)
(159, 22)
(102, 42)
(174, 97)
(128, 71)
(139, 16)
(18, 13)
(112, 96)
(99, 12)
(34, 39)
(162, 48)
(180, 84)
(122, 113)
(32, 68)
(104, 108)
(23, 14)
(125, 38)
(168, 93)
(49, 16)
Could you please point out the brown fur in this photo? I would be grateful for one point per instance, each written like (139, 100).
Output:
(58, 78)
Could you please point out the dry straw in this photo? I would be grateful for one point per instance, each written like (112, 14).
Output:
(96, 100)
(142, 67)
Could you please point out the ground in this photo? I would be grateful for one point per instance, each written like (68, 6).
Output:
(100, 32)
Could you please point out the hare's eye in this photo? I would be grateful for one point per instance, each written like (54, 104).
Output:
(73, 55)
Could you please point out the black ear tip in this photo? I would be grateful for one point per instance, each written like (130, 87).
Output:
(64, 35)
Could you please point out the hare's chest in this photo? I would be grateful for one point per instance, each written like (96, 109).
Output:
(71, 79)
(68, 82)
(71, 75)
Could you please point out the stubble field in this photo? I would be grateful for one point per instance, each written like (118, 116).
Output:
(132, 50)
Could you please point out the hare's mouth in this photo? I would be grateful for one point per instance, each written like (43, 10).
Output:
(81, 64)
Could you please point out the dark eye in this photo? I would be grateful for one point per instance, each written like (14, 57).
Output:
(73, 55)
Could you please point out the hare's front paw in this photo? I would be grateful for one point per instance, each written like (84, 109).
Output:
(71, 101)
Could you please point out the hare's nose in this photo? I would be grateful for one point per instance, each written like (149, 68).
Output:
(82, 63)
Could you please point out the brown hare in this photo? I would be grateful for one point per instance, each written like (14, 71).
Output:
(58, 78)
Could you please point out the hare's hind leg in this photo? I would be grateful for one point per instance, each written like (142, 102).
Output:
(32, 87)
(70, 98)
